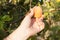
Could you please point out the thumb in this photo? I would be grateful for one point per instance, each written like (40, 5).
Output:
(30, 14)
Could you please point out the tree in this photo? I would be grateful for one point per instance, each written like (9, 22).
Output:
(13, 11)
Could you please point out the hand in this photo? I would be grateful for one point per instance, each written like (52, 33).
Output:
(32, 25)
(28, 27)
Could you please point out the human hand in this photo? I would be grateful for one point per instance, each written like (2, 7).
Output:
(32, 25)
(29, 26)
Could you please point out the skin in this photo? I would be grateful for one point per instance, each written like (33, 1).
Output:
(28, 27)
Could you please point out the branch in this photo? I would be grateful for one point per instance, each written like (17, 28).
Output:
(30, 3)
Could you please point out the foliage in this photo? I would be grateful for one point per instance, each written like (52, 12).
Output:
(13, 11)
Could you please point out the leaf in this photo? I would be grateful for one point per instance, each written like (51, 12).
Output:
(51, 9)
(51, 14)
(1, 25)
(6, 18)
(26, 2)
(14, 2)
(47, 5)
(52, 4)
(46, 14)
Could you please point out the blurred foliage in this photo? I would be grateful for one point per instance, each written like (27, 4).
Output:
(13, 11)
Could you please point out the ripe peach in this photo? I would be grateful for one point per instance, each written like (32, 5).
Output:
(37, 11)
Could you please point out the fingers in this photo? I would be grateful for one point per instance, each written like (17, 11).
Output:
(38, 26)
(41, 25)
(35, 28)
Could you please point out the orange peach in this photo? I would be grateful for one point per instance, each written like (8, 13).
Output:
(37, 11)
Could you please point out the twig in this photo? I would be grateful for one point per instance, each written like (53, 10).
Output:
(30, 3)
(55, 10)
(23, 8)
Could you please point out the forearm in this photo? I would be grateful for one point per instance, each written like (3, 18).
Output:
(18, 34)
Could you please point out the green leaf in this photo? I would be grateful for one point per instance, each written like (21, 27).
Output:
(6, 18)
(46, 14)
(1, 25)
(26, 2)
(51, 14)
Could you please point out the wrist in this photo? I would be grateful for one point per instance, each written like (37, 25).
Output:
(18, 34)
(22, 33)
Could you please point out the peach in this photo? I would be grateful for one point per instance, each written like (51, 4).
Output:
(37, 11)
